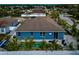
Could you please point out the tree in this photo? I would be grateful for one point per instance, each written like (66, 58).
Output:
(77, 36)
(3, 12)
(70, 46)
(74, 30)
(28, 42)
(55, 46)
(55, 15)
(78, 46)
(43, 45)
(12, 46)
(16, 13)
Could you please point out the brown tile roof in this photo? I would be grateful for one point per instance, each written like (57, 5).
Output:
(4, 22)
(40, 24)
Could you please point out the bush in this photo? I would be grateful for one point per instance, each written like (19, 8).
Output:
(70, 46)
(10, 46)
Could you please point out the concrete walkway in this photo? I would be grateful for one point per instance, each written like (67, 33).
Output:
(68, 20)
(69, 39)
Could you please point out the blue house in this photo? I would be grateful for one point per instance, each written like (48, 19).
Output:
(7, 24)
(40, 28)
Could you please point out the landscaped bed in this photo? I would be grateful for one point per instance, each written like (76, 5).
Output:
(31, 45)
(4, 36)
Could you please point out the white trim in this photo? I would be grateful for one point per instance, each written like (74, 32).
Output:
(33, 14)
(37, 40)
(40, 31)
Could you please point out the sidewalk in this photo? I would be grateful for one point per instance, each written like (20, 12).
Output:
(39, 53)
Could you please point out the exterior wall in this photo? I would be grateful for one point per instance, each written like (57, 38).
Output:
(36, 35)
(2, 32)
(34, 14)
(13, 25)
(11, 28)
(61, 35)
(5, 30)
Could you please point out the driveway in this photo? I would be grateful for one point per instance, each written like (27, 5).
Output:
(69, 39)
(67, 19)
(77, 26)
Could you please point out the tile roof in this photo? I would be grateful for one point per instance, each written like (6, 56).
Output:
(40, 24)
(4, 22)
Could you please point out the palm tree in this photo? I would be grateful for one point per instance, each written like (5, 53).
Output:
(74, 30)
(43, 45)
(55, 46)
(55, 15)
(70, 46)
(31, 43)
(12, 46)
(77, 36)
(28, 42)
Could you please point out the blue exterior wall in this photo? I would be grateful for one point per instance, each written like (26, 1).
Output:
(61, 35)
(36, 35)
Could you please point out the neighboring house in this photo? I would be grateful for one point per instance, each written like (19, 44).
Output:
(34, 13)
(13, 24)
(40, 28)
(7, 25)
(4, 27)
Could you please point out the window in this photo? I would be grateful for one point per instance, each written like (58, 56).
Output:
(19, 33)
(31, 33)
(50, 33)
(42, 33)
(55, 35)
(32, 17)
(2, 29)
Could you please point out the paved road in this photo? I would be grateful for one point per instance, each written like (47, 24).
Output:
(77, 26)
(67, 19)
(69, 39)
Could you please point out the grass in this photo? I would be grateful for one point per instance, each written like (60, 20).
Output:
(77, 21)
